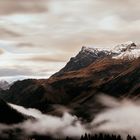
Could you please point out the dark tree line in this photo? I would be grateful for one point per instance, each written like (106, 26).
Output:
(105, 137)
(87, 137)
(101, 136)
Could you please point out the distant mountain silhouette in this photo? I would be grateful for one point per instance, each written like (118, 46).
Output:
(4, 85)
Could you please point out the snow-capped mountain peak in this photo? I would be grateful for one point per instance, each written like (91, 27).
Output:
(128, 46)
(129, 50)
(95, 51)
(88, 55)
(88, 49)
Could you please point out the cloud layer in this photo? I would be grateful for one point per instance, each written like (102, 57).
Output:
(120, 117)
(18, 6)
(56, 29)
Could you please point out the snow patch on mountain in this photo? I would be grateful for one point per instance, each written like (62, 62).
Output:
(4, 85)
(128, 50)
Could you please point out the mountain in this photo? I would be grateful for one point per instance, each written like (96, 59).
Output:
(27, 93)
(90, 73)
(83, 59)
(86, 56)
(74, 90)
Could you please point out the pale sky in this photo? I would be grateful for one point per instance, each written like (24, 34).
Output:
(38, 37)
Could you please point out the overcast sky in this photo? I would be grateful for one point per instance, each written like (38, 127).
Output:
(37, 37)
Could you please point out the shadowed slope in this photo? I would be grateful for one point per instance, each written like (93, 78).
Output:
(8, 115)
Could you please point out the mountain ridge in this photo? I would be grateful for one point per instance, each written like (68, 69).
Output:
(88, 55)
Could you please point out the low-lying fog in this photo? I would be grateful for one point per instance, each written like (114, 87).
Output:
(120, 117)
